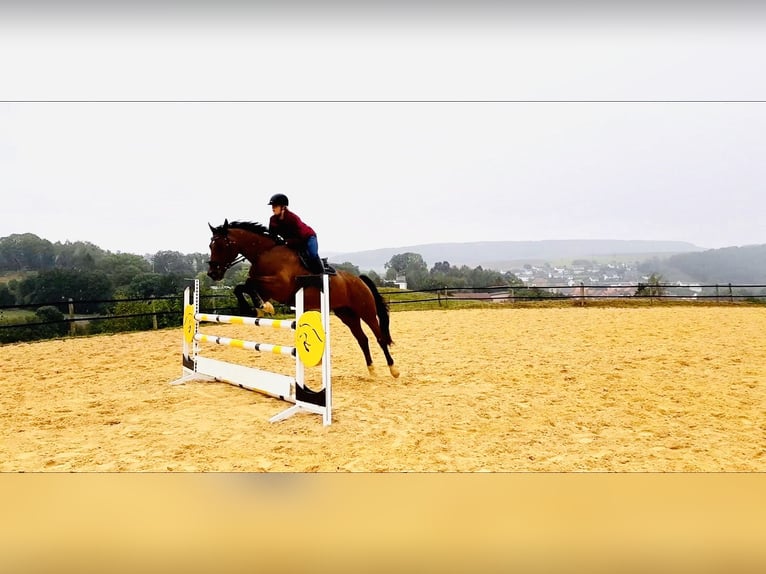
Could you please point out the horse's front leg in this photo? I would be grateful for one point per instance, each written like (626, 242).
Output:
(244, 307)
(258, 307)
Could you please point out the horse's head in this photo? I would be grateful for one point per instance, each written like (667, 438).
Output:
(223, 252)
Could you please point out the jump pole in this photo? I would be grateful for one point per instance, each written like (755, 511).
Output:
(312, 337)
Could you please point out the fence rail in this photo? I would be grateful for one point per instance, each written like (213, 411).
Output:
(715, 292)
(583, 292)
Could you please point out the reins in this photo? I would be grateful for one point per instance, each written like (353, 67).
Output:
(239, 259)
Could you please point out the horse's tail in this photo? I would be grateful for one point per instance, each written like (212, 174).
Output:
(381, 308)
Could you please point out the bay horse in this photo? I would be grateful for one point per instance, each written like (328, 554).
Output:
(273, 269)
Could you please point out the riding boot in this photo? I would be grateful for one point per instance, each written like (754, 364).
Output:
(316, 266)
(328, 269)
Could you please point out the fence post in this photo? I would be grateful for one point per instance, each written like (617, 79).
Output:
(72, 329)
(717, 297)
(582, 294)
(731, 295)
(154, 313)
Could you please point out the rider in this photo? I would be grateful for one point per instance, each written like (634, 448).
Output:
(296, 234)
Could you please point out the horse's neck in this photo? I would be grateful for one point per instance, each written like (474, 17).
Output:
(251, 245)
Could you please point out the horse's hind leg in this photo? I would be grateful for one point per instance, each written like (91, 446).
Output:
(375, 313)
(389, 359)
(351, 320)
(374, 325)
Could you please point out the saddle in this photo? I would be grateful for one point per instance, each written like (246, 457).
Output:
(327, 269)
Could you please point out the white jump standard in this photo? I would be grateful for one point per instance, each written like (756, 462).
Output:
(312, 347)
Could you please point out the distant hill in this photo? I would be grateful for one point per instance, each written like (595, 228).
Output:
(735, 265)
(503, 255)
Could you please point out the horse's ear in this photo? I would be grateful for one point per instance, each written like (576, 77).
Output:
(225, 224)
(212, 229)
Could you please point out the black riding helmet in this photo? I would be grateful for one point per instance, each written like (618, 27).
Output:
(279, 199)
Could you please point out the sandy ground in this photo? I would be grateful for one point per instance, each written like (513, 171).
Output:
(557, 389)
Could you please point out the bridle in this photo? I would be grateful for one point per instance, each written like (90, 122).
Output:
(222, 268)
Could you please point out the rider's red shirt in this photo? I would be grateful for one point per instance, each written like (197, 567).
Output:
(291, 228)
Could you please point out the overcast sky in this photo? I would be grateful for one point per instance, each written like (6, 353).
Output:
(378, 124)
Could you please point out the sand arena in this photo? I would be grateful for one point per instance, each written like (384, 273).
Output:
(511, 389)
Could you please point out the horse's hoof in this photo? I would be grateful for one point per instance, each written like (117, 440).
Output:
(371, 370)
(268, 308)
(394, 371)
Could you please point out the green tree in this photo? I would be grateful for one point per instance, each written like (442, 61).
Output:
(745, 264)
(143, 316)
(173, 262)
(155, 285)
(443, 274)
(25, 252)
(480, 278)
(375, 277)
(413, 267)
(62, 284)
(78, 255)
(49, 314)
(418, 278)
(404, 263)
(197, 262)
(653, 287)
(6, 297)
(205, 282)
(122, 268)
(32, 331)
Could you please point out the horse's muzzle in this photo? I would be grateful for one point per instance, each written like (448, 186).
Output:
(216, 271)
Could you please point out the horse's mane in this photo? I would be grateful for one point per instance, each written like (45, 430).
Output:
(252, 226)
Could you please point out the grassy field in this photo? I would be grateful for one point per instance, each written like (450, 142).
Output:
(6, 276)
(15, 315)
(417, 301)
